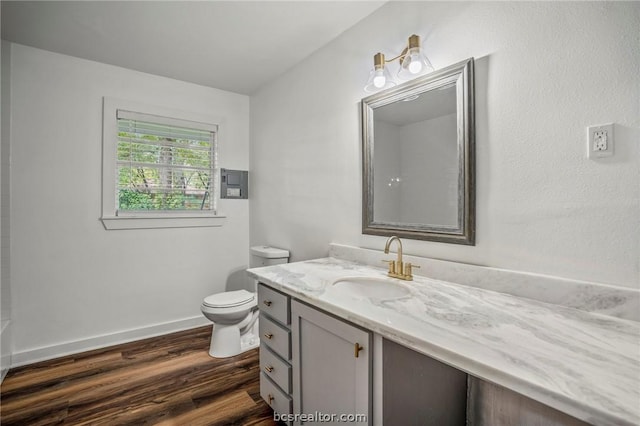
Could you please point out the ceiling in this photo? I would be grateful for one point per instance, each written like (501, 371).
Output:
(231, 45)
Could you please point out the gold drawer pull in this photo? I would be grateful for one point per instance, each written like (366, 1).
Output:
(271, 398)
(267, 302)
(269, 369)
(268, 335)
(357, 348)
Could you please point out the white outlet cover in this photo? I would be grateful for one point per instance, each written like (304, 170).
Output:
(600, 141)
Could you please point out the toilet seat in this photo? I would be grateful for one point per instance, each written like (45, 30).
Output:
(229, 299)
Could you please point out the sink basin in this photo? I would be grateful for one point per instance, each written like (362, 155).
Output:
(368, 287)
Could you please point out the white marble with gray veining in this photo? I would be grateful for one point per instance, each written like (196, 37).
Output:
(599, 298)
(586, 365)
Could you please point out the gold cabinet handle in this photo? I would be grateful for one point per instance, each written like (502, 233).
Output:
(268, 335)
(271, 398)
(269, 369)
(267, 302)
(357, 348)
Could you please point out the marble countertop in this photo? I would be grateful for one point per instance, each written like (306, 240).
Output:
(583, 364)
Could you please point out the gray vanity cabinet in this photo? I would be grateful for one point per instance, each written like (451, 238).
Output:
(332, 364)
(275, 349)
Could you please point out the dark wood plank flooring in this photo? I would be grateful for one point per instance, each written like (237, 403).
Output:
(166, 380)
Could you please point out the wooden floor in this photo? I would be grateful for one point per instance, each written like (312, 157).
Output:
(166, 380)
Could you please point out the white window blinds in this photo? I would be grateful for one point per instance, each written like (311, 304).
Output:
(164, 164)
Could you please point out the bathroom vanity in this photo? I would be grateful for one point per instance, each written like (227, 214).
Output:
(315, 364)
(436, 352)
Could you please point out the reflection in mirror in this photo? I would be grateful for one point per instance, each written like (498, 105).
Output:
(418, 158)
(416, 161)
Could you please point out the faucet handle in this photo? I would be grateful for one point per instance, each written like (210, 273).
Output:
(408, 269)
(392, 266)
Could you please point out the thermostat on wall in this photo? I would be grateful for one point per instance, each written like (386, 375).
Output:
(234, 184)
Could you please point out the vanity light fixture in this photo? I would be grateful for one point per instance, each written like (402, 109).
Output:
(379, 77)
(413, 61)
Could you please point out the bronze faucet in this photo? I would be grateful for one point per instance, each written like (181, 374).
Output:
(397, 269)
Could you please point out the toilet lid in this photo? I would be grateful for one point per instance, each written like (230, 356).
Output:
(229, 299)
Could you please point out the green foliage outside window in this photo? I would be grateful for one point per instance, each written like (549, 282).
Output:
(163, 173)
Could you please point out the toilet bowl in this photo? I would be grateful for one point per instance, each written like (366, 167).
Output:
(235, 313)
(235, 322)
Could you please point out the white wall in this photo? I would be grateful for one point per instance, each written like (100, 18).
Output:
(73, 281)
(544, 72)
(5, 275)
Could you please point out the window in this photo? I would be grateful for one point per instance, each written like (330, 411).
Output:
(162, 169)
(162, 166)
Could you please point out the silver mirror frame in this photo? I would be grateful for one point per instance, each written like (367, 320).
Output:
(460, 74)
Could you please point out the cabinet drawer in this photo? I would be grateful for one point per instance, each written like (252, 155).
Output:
(274, 303)
(275, 336)
(274, 367)
(278, 400)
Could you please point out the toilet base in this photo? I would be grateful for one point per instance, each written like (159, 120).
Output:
(250, 342)
(226, 340)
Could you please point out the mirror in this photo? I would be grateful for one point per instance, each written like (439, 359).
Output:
(418, 158)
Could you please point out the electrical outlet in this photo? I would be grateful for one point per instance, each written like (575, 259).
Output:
(600, 141)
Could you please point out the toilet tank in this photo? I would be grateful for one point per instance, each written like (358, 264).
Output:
(267, 256)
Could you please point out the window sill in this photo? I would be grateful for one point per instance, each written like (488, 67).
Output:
(161, 221)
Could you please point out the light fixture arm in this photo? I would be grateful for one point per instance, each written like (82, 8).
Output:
(404, 52)
(379, 59)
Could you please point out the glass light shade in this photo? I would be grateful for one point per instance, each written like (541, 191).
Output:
(379, 78)
(414, 63)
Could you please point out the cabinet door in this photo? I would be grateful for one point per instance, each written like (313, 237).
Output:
(331, 376)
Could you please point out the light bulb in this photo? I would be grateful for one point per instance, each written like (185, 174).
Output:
(415, 66)
(379, 80)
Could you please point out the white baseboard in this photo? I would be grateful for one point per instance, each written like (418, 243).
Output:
(98, 342)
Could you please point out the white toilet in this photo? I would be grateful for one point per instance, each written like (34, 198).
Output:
(235, 313)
